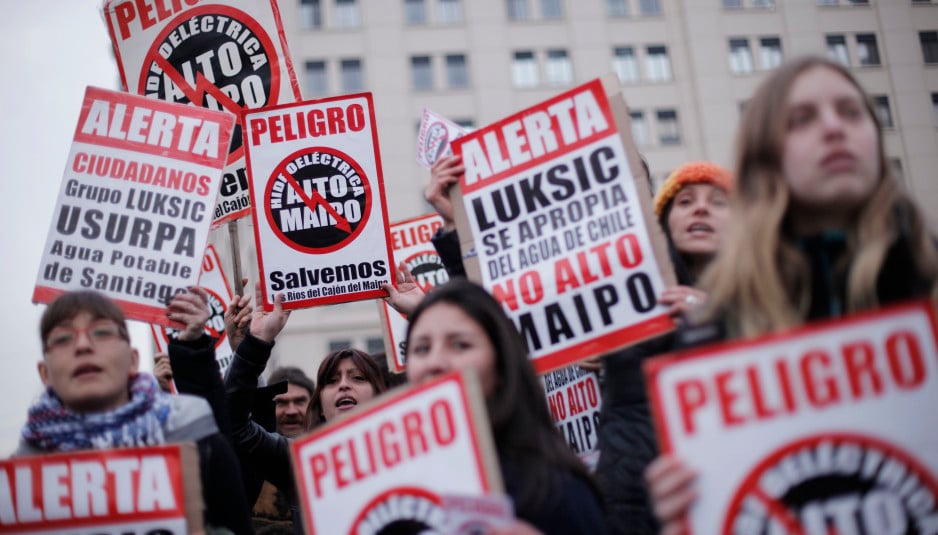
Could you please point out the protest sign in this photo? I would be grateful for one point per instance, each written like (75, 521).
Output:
(474, 515)
(553, 223)
(410, 240)
(133, 213)
(229, 55)
(389, 463)
(435, 136)
(321, 222)
(828, 428)
(215, 284)
(574, 399)
(124, 491)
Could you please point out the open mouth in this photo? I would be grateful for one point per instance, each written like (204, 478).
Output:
(699, 227)
(346, 403)
(86, 370)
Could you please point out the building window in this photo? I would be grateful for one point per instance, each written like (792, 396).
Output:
(896, 165)
(867, 50)
(465, 123)
(934, 107)
(770, 52)
(518, 10)
(310, 14)
(657, 64)
(374, 345)
(457, 75)
(625, 64)
(421, 73)
(740, 56)
(415, 12)
(639, 128)
(649, 7)
(732, 4)
(346, 13)
(450, 11)
(339, 345)
(883, 113)
(524, 69)
(352, 80)
(669, 132)
(617, 8)
(827, 2)
(859, 2)
(316, 83)
(558, 69)
(837, 49)
(929, 41)
(763, 4)
(551, 9)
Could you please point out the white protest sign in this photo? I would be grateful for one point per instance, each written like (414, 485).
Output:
(215, 284)
(410, 240)
(829, 428)
(474, 515)
(553, 215)
(133, 213)
(229, 55)
(574, 398)
(391, 461)
(130, 490)
(320, 220)
(435, 136)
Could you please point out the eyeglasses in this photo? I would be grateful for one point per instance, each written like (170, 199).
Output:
(98, 333)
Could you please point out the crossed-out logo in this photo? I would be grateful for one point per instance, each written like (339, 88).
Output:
(318, 200)
(226, 47)
(214, 327)
(436, 142)
(401, 511)
(836, 484)
(427, 269)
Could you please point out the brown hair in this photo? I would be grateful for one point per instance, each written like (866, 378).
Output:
(70, 304)
(328, 368)
(761, 281)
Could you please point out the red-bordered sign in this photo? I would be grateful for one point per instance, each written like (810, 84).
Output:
(227, 56)
(555, 226)
(821, 429)
(322, 233)
(408, 446)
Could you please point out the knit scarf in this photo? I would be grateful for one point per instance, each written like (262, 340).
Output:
(51, 427)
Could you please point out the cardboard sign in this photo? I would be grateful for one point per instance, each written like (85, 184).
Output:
(214, 282)
(390, 462)
(435, 136)
(229, 55)
(131, 490)
(321, 220)
(133, 213)
(556, 227)
(410, 240)
(575, 399)
(829, 428)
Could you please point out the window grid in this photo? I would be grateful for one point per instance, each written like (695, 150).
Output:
(883, 112)
(316, 82)
(457, 73)
(669, 132)
(929, 42)
(770, 52)
(346, 14)
(352, 80)
(449, 11)
(558, 71)
(740, 56)
(421, 72)
(867, 50)
(524, 70)
(625, 64)
(617, 8)
(415, 12)
(310, 14)
(657, 64)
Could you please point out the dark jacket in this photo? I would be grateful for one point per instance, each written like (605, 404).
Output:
(268, 453)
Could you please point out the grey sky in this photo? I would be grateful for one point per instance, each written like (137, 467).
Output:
(52, 50)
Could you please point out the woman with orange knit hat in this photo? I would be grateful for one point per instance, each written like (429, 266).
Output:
(693, 209)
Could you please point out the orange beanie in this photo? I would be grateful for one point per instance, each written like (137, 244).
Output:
(692, 173)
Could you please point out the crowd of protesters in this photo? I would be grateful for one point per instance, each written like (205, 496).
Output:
(810, 223)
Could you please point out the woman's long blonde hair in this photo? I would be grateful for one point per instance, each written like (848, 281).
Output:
(761, 281)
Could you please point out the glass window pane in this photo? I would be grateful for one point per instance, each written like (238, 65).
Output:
(374, 345)
(558, 70)
(617, 8)
(340, 344)
(929, 42)
(881, 106)
(649, 7)
(518, 9)
(770, 52)
(658, 64)
(639, 128)
(352, 80)
(934, 107)
(837, 49)
(457, 75)
(551, 9)
(310, 14)
(732, 4)
(421, 73)
(346, 13)
(524, 70)
(415, 12)
(740, 56)
(867, 50)
(625, 64)
(669, 132)
(316, 83)
(450, 11)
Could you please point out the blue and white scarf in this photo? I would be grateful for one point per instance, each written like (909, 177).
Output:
(52, 427)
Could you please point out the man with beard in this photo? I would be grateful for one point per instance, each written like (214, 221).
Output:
(272, 508)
